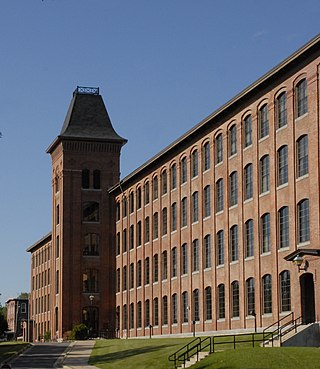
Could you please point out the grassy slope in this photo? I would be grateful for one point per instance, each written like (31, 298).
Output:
(8, 349)
(146, 353)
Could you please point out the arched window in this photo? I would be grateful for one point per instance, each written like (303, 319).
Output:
(206, 202)
(283, 226)
(85, 178)
(233, 189)
(185, 307)
(235, 308)
(91, 244)
(303, 221)
(219, 148)
(302, 156)
(282, 165)
(267, 293)
(248, 182)
(250, 294)
(265, 233)
(90, 281)
(206, 156)
(194, 163)
(281, 106)
(184, 171)
(249, 238)
(263, 121)
(233, 140)
(196, 305)
(285, 293)
(131, 316)
(220, 248)
(221, 301)
(207, 251)
(96, 179)
(234, 246)
(208, 302)
(155, 311)
(264, 174)
(174, 308)
(164, 310)
(247, 123)
(301, 98)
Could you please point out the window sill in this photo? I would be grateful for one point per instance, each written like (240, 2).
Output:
(264, 138)
(303, 244)
(281, 249)
(250, 199)
(233, 206)
(301, 117)
(248, 258)
(233, 156)
(302, 177)
(264, 193)
(267, 253)
(247, 147)
(282, 186)
(281, 128)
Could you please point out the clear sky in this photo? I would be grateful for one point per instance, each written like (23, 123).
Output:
(162, 66)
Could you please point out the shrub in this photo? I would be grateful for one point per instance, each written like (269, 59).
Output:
(79, 332)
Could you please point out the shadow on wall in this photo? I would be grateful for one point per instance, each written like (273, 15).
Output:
(308, 337)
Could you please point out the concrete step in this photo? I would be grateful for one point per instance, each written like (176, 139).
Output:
(194, 359)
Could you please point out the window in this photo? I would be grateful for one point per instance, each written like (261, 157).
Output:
(164, 221)
(155, 268)
(185, 309)
(147, 230)
(219, 195)
(85, 180)
(184, 212)
(124, 278)
(164, 186)
(264, 121)
(194, 163)
(118, 280)
(131, 237)
(250, 296)
(131, 202)
(196, 305)
(220, 248)
(164, 265)
(58, 246)
(173, 217)
(184, 258)
(283, 226)
(96, 179)
(164, 310)
(219, 149)
(139, 233)
(131, 316)
(234, 243)
(173, 177)
(195, 207)
(285, 294)
(265, 233)
(174, 262)
(183, 164)
(301, 98)
(90, 280)
(206, 196)
(195, 255)
(206, 156)
(221, 301)
(281, 113)
(155, 188)
(282, 165)
(125, 317)
(138, 197)
(147, 271)
(91, 211)
(117, 211)
(146, 193)
(124, 240)
(147, 313)
(91, 244)
(235, 299)
(57, 282)
(233, 140)
(303, 221)
(249, 238)
(248, 183)
(174, 308)
(139, 315)
(139, 273)
(233, 188)
(131, 276)
(124, 207)
(118, 243)
(155, 311)
(247, 131)
(208, 302)
(264, 174)
(267, 294)
(302, 156)
(207, 251)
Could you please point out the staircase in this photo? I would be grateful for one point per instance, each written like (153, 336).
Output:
(194, 359)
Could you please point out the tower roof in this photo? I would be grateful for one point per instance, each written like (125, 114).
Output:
(87, 118)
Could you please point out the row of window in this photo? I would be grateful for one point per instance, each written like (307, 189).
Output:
(191, 311)
(41, 304)
(41, 280)
(302, 168)
(303, 230)
(41, 257)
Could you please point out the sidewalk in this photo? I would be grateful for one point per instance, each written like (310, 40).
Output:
(77, 355)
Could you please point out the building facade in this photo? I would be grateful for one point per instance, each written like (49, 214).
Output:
(201, 237)
(204, 227)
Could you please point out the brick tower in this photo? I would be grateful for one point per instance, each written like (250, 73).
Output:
(85, 164)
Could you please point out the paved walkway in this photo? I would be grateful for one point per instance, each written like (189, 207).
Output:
(77, 355)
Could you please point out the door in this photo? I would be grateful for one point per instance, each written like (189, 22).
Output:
(307, 298)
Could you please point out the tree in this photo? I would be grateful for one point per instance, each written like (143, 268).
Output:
(23, 295)
(3, 321)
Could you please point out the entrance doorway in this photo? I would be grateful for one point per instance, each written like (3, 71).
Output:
(307, 298)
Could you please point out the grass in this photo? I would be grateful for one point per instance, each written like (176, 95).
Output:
(153, 354)
(136, 353)
(8, 349)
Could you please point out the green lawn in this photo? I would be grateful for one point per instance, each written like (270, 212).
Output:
(8, 349)
(153, 354)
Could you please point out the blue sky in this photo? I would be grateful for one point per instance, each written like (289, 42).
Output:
(162, 66)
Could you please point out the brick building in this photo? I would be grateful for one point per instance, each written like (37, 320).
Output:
(17, 313)
(202, 236)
